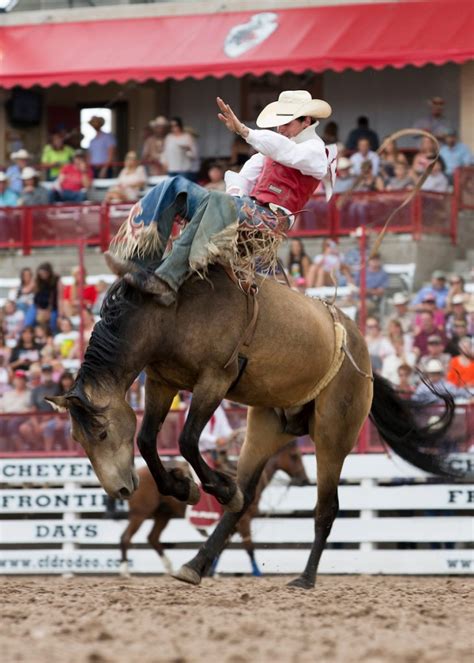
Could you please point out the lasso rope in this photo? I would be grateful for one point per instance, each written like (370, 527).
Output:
(421, 180)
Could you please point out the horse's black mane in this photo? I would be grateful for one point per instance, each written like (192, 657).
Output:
(106, 343)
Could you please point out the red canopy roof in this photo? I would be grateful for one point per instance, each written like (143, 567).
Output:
(237, 43)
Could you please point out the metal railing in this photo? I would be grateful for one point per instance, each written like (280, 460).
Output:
(39, 434)
(95, 224)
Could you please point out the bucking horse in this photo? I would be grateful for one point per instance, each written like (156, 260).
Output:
(306, 369)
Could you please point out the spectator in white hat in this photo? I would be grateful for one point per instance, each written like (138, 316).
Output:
(402, 313)
(152, 151)
(8, 198)
(33, 193)
(435, 371)
(345, 179)
(20, 161)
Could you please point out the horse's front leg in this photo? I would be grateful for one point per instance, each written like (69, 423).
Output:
(158, 399)
(207, 395)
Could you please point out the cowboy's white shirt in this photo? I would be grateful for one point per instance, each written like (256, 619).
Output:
(306, 152)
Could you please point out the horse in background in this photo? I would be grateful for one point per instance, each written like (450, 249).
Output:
(147, 502)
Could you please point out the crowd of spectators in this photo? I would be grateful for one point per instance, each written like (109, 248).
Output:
(170, 147)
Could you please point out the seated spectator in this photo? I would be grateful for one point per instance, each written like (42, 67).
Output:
(65, 340)
(45, 300)
(13, 320)
(55, 154)
(461, 368)
(130, 182)
(457, 331)
(434, 122)
(23, 295)
(429, 304)
(389, 157)
(436, 180)
(15, 400)
(216, 178)
(33, 193)
(405, 387)
(376, 280)
(298, 264)
(456, 287)
(5, 350)
(427, 328)
(437, 287)
(37, 428)
(395, 334)
(401, 179)
(378, 345)
(435, 372)
(88, 322)
(70, 295)
(362, 131)
(328, 266)
(435, 350)
(345, 179)
(364, 153)
(423, 157)
(454, 153)
(8, 197)
(26, 351)
(402, 314)
(4, 375)
(56, 426)
(458, 312)
(20, 162)
(398, 357)
(367, 181)
(152, 150)
(73, 181)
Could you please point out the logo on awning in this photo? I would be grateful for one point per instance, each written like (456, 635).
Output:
(245, 36)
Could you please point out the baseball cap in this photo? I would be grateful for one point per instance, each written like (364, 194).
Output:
(438, 274)
(20, 374)
(429, 297)
(435, 338)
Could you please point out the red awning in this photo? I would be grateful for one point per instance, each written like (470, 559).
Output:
(237, 43)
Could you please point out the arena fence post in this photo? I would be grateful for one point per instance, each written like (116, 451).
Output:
(362, 235)
(81, 253)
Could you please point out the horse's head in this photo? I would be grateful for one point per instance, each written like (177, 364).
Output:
(104, 425)
(290, 460)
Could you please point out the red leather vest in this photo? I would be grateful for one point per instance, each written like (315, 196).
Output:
(283, 186)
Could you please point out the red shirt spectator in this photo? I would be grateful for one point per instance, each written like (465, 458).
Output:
(461, 368)
(72, 178)
(428, 328)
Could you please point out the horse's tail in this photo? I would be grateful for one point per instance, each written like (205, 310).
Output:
(426, 446)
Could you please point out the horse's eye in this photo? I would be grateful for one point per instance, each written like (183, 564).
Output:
(103, 435)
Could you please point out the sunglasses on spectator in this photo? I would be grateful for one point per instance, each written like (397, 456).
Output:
(372, 326)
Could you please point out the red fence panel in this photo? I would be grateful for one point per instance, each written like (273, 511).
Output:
(464, 187)
(11, 227)
(65, 224)
(435, 212)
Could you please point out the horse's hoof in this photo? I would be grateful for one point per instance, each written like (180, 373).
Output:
(187, 574)
(300, 583)
(236, 504)
(167, 565)
(194, 493)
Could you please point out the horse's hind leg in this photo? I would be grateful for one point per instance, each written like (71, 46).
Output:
(158, 399)
(161, 520)
(340, 413)
(263, 439)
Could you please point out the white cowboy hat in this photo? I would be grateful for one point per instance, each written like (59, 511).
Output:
(3, 176)
(434, 366)
(292, 104)
(159, 121)
(21, 154)
(400, 298)
(28, 173)
(343, 163)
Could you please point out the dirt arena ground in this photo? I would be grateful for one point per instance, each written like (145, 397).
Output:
(236, 620)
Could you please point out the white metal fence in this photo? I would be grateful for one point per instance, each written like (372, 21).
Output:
(393, 519)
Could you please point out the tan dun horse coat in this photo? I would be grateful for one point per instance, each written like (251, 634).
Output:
(187, 347)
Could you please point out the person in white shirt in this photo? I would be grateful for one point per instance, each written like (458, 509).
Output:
(271, 188)
(180, 151)
(216, 431)
(364, 153)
